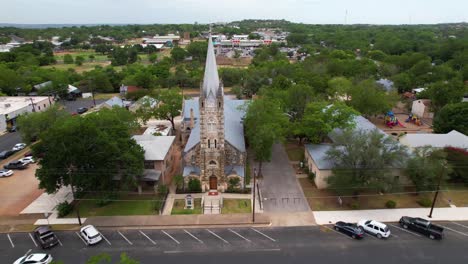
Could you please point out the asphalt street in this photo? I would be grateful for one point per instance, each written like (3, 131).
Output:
(72, 106)
(8, 140)
(315, 244)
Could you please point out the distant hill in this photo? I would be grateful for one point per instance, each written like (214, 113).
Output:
(41, 26)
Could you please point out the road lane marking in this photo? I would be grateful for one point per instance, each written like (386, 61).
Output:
(453, 230)
(81, 238)
(11, 241)
(337, 232)
(34, 241)
(402, 229)
(60, 242)
(265, 249)
(459, 224)
(214, 234)
(173, 252)
(371, 235)
(175, 240)
(263, 234)
(239, 235)
(126, 239)
(190, 234)
(106, 239)
(141, 232)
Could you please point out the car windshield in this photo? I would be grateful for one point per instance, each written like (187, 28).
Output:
(368, 221)
(385, 229)
(47, 236)
(45, 258)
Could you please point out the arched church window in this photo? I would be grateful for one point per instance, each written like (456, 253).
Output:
(193, 159)
(215, 143)
(209, 145)
(219, 104)
(212, 162)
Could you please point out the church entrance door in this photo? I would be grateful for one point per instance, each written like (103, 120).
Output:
(213, 183)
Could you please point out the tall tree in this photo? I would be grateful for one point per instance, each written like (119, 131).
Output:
(92, 150)
(178, 54)
(169, 106)
(369, 99)
(452, 117)
(364, 160)
(265, 124)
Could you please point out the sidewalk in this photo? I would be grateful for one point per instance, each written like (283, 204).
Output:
(391, 215)
(165, 221)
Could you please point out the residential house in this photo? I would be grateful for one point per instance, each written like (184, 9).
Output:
(452, 139)
(114, 101)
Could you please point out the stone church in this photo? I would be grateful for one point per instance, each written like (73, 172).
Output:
(214, 133)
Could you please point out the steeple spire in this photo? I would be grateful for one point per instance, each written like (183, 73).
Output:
(210, 79)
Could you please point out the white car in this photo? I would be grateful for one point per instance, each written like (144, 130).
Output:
(6, 173)
(27, 160)
(35, 258)
(375, 228)
(90, 234)
(19, 146)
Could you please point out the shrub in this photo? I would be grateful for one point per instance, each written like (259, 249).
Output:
(64, 209)
(162, 190)
(355, 205)
(194, 185)
(232, 184)
(311, 177)
(390, 204)
(425, 202)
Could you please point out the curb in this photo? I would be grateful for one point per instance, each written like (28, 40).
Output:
(258, 224)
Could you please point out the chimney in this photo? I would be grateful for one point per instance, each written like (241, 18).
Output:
(192, 119)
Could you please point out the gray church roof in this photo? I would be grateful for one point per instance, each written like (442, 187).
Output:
(233, 127)
(191, 169)
(234, 169)
(211, 77)
(361, 124)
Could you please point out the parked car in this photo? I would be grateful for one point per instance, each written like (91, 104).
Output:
(34, 258)
(349, 229)
(6, 173)
(16, 165)
(12, 129)
(45, 237)
(6, 153)
(27, 160)
(422, 226)
(81, 110)
(19, 147)
(90, 235)
(375, 228)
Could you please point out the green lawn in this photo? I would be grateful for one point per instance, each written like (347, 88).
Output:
(236, 206)
(178, 208)
(295, 151)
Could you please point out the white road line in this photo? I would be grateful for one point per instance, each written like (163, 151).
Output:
(190, 234)
(265, 249)
(214, 234)
(141, 232)
(337, 232)
(11, 241)
(173, 252)
(60, 242)
(459, 224)
(239, 235)
(371, 235)
(263, 234)
(126, 239)
(402, 229)
(453, 230)
(34, 241)
(81, 238)
(106, 239)
(175, 240)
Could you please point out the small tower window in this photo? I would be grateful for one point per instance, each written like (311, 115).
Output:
(202, 104)
(209, 144)
(219, 104)
(215, 143)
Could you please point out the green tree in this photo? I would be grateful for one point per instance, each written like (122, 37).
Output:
(92, 150)
(153, 57)
(68, 59)
(364, 160)
(320, 118)
(445, 92)
(265, 124)
(426, 166)
(91, 57)
(197, 50)
(169, 106)
(452, 117)
(339, 88)
(79, 60)
(178, 54)
(369, 99)
(32, 125)
(298, 96)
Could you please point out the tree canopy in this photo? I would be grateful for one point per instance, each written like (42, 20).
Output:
(452, 117)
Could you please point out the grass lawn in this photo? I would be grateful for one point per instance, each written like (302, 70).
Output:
(295, 151)
(87, 66)
(236, 206)
(179, 204)
(326, 200)
(131, 205)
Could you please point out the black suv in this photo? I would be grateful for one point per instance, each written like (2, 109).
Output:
(349, 229)
(6, 153)
(16, 165)
(81, 110)
(45, 237)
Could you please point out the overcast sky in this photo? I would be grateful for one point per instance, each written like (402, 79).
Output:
(208, 11)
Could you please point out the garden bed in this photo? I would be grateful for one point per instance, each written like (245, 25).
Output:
(179, 204)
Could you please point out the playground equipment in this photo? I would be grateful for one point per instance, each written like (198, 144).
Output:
(412, 118)
(391, 120)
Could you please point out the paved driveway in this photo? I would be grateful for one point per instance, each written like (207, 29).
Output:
(8, 140)
(72, 106)
(280, 190)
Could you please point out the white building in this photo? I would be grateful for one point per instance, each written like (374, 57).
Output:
(452, 139)
(422, 108)
(13, 106)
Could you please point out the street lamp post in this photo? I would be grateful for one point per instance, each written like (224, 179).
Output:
(437, 190)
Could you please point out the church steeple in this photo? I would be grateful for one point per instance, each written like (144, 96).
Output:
(211, 84)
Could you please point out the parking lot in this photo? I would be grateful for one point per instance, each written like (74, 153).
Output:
(316, 240)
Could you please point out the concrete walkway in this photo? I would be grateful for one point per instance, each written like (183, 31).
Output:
(46, 203)
(391, 215)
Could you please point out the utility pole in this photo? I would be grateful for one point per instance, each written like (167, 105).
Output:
(254, 190)
(92, 94)
(442, 171)
(73, 195)
(32, 103)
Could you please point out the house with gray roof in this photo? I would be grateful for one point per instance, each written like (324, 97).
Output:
(453, 139)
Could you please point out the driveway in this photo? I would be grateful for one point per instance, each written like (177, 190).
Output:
(280, 190)
(18, 191)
